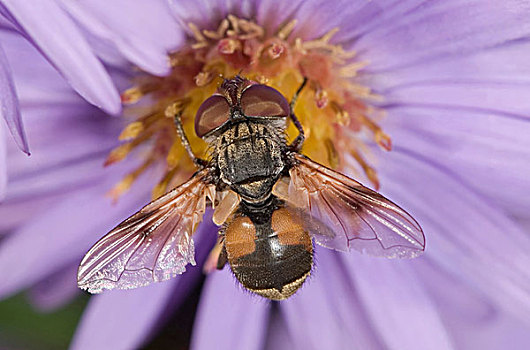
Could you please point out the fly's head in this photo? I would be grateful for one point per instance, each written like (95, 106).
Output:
(239, 99)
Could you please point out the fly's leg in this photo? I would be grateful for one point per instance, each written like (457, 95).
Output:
(199, 163)
(298, 142)
(223, 258)
(218, 257)
(176, 114)
(296, 94)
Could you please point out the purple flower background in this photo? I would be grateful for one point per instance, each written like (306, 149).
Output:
(455, 77)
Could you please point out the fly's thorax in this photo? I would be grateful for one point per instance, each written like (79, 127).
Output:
(269, 250)
(249, 156)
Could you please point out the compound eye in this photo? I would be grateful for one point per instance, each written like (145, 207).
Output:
(263, 101)
(212, 113)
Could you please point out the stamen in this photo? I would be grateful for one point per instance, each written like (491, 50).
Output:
(275, 50)
(342, 115)
(203, 78)
(351, 70)
(235, 25)
(162, 186)
(361, 91)
(251, 29)
(370, 172)
(131, 95)
(228, 46)
(124, 185)
(322, 42)
(335, 102)
(321, 98)
(175, 155)
(119, 153)
(220, 33)
(327, 37)
(333, 156)
(131, 131)
(175, 108)
(196, 33)
(380, 137)
(286, 30)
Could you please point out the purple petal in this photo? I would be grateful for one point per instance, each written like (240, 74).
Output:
(228, 318)
(60, 235)
(109, 54)
(272, 14)
(466, 236)
(198, 12)
(16, 213)
(58, 38)
(488, 97)
(437, 30)
(56, 290)
(3, 163)
(316, 18)
(326, 313)
(469, 111)
(475, 82)
(77, 160)
(278, 337)
(482, 66)
(400, 308)
(38, 85)
(473, 322)
(208, 14)
(9, 106)
(143, 32)
(58, 170)
(487, 151)
(372, 15)
(123, 319)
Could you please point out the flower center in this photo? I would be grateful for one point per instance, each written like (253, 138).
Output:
(333, 109)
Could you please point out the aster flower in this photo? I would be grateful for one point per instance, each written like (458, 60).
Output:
(445, 81)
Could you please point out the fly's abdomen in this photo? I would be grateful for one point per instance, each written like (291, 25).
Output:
(273, 258)
(249, 159)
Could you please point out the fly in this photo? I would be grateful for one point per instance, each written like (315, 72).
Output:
(270, 201)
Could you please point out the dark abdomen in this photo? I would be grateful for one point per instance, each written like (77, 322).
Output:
(270, 253)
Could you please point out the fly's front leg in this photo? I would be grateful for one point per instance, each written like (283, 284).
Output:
(298, 142)
(176, 114)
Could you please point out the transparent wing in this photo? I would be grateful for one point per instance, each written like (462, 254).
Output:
(152, 245)
(343, 214)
